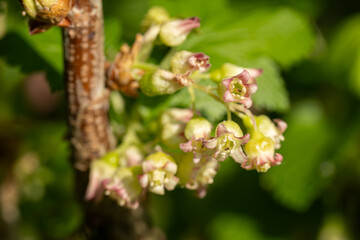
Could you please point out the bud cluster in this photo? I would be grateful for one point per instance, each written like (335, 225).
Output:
(186, 150)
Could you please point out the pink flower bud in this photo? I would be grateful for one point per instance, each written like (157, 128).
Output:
(173, 33)
(185, 62)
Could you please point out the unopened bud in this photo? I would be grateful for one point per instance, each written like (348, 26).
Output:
(228, 70)
(173, 33)
(185, 62)
(159, 83)
(47, 11)
(155, 16)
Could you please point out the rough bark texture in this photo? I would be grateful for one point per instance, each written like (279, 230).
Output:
(90, 133)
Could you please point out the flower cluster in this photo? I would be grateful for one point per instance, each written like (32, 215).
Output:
(185, 149)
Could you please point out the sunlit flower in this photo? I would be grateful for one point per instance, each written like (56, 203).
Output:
(260, 151)
(274, 129)
(159, 170)
(124, 187)
(238, 89)
(131, 157)
(173, 33)
(100, 170)
(197, 176)
(228, 141)
(197, 130)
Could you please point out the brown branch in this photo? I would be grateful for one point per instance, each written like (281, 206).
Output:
(90, 132)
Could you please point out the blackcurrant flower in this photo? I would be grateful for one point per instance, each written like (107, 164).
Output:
(238, 89)
(260, 151)
(197, 130)
(101, 170)
(228, 141)
(158, 173)
(124, 186)
(197, 176)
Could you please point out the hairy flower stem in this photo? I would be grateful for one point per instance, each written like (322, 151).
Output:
(90, 135)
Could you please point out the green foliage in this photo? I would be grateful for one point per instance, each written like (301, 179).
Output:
(257, 39)
(231, 226)
(344, 55)
(299, 180)
(320, 152)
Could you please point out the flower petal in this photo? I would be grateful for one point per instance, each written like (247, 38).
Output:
(210, 144)
(186, 147)
(170, 167)
(171, 184)
(228, 97)
(238, 155)
(143, 180)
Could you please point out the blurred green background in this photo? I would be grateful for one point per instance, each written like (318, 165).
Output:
(310, 53)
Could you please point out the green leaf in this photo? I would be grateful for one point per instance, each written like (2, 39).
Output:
(19, 52)
(232, 226)
(344, 56)
(257, 39)
(113, 32)
(271, 94)
(299, 180)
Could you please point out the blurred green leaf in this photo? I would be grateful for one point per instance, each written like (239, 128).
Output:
(271, 94)
(298, 181)
(344, 55)
(113, 32)
(18, 51)
(257, 39)
(234, 227)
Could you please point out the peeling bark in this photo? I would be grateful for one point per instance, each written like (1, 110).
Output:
(90, 134)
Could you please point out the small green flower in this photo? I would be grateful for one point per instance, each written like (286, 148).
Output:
(197, 130)
(228, 141)
(197, 176)
(238, 89)
(159, 170)
(260, 151)
(100, 170)
(124, 187)
(272, 129)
